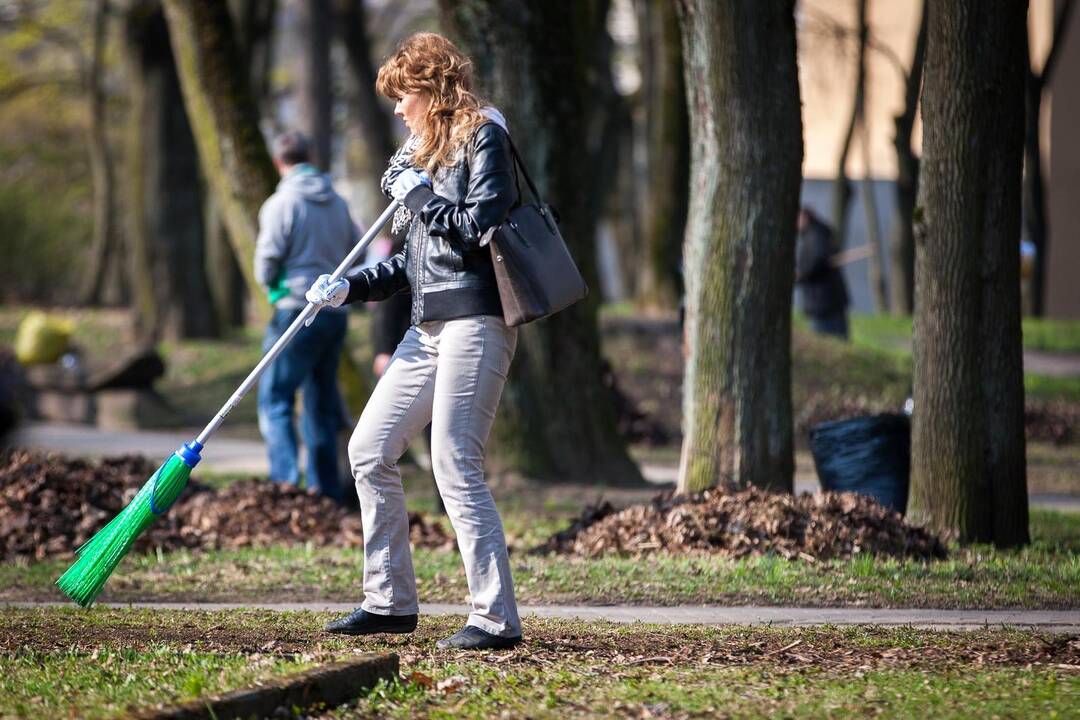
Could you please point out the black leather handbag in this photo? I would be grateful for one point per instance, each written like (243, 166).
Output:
(533, 268)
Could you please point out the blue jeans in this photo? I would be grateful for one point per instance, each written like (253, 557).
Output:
(308, 363)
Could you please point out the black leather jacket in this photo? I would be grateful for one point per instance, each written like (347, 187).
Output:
(443, 263)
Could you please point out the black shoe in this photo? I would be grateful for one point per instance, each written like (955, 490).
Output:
(471, 637)
(361, 622)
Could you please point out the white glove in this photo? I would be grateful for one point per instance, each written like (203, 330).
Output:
(407, 180)
(323, 292)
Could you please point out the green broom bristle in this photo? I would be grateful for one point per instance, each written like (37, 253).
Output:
(99, 556)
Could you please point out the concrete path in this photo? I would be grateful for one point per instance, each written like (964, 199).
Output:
(225, 454)
(1061, 621)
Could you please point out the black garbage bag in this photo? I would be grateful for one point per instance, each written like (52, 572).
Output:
(870, 455)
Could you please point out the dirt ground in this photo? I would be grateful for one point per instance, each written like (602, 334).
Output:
(550, 643)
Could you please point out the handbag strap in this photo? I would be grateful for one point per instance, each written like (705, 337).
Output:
(519, 163)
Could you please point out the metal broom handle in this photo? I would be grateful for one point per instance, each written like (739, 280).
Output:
(307, 314)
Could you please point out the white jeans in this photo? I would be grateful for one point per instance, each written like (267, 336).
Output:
(451, 374)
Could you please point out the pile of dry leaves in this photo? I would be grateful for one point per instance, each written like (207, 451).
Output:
(748, 522)
(49, 505)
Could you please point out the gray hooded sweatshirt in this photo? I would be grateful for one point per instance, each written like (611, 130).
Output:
(304, 231)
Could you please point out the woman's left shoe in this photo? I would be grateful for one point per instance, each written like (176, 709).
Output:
(361, 622)
(471, 637)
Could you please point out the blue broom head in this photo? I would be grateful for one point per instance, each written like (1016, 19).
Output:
(99, 556)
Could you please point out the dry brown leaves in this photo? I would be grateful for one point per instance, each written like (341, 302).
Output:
(748, 522)
(49, 505)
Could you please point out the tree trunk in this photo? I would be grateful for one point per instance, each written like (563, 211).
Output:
(902, 272)
(254, 22)
(369, 121)
(873, 225)
(842, 191)
(314, 79)
(223, 274)
(870, 213)
(668, 156)
(254, 26)
(165, 202)
(533, 61)
(106, 276)
(225, 120)
(968, 466)
(373, 119)
(745, 171)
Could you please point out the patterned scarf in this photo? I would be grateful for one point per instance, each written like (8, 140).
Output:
(400, 161)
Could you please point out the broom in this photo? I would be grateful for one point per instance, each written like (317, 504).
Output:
(99, 556)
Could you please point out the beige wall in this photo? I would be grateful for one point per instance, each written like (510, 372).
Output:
(1063, 196)
(827, 77)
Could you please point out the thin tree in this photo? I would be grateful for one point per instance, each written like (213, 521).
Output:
(746, 140)
(534, 62)
(163, 199)
(902, 275)
(254, 23)
(314, 87)
(225, 120)
(1037, 225)
(968, 464)
(369, 119)
(667, 142)
(842, 192)
(105, 279)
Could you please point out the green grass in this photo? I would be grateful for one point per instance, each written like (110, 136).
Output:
(481, 691)
(1044, 575)
(877, 361)
(109, 682)
(893, 332)
(98, 663)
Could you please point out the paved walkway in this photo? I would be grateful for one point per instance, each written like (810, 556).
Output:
(1061, 621)
(225, 454)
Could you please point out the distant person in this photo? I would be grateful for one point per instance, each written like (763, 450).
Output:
(455, 178)
(824, 292)
(304, 231)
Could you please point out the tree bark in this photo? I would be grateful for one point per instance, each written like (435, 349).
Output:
(164, 199)
(254, 27)
(254, 21)
(745, 171)
(842, 191)
(106, 276)
(968, 464)
(225, 121)
(533, 60)
(369, 121)
(314, 79)
(223, 274)
(373, 120)
(907, 184)
(667, 158)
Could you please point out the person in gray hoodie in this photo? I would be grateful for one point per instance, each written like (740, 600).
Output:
(305, 230)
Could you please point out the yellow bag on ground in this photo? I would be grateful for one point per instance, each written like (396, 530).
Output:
(42, 339)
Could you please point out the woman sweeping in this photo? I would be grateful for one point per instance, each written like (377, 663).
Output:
(455, 180)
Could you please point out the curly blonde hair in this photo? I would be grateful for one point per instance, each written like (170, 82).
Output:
(429, 63)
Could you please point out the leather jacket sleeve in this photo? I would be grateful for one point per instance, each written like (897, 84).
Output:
(491, 193)
(378, 282)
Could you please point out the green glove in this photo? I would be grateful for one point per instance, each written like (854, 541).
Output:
(277, 289)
